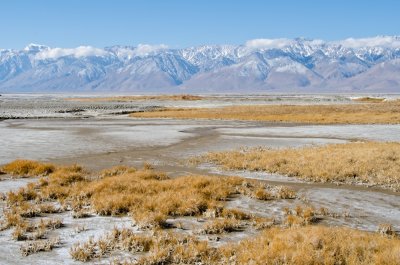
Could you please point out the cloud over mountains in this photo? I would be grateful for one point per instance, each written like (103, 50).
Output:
(260, 65)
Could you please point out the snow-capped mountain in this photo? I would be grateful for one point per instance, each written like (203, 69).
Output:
(260, 65)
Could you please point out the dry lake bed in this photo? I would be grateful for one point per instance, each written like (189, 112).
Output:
(99, 135)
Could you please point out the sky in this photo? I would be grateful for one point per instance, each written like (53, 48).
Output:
(179, 23)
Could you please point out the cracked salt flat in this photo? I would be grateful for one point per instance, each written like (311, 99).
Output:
(44, 139)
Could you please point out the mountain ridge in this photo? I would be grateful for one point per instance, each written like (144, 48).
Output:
(259, 65)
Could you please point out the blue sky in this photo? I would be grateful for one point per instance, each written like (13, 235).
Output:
(178, 23)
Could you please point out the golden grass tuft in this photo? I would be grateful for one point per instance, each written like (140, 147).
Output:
(371, 163)
(301, 216)
(115, 171)
(150, 197)
(315, 245)
(161, 248)
(27, 168)
(235, 214)
(39, 246)
(24, 230)
(221, 225)
(384, 113)
(301, 245)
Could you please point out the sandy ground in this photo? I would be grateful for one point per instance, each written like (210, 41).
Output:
(104, 141)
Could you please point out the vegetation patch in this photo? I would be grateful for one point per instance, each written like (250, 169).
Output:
(32, 247)
(301, 245)
(370, 163)
(384, 113)
(150, 197)
(27, 168)
(315, 245)
(369, 100)
(183, 97)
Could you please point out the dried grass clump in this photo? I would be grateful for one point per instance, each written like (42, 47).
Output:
(117, 239)
(314, 245)
(150, 220)
(150, 197)
(39, 246)
(386, 229)
(218, 211)
(220, 226)
(81, 213)
(115, 171)
(48, 208)
(175, 249)
(300, 216)
(383, 113)
(25, 230)
(235, 214)
(86, 251)
(65, 176)
(23, 194)
(262, 194)
(284, 192)
(371, 163)
(302, 245)
(160, 248)
(27, 168)
(61, 182)
(127, 240)
(260, 223)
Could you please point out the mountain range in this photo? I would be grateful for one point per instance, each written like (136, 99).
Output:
(260, 65)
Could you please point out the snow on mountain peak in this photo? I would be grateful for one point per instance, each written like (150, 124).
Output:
(81, 51)
(259, 64)
(141, 50)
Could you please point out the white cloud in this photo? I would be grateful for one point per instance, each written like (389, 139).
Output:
(268, 43)
(145, 49)
(140, 50)
(379, 41)
(353, 43)
(277, 43)
(81, 51)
